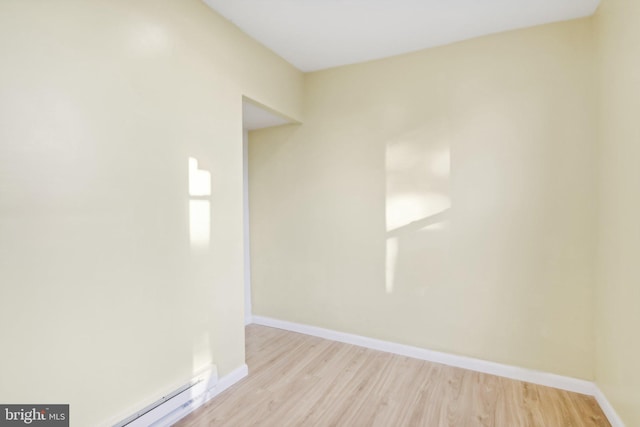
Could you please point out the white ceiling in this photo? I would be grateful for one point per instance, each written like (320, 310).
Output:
(318, 34)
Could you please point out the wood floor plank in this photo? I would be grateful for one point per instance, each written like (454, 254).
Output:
(297, 380)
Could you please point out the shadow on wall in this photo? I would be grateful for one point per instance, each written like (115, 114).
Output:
(417, 209)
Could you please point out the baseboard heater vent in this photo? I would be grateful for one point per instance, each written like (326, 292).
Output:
(179, 398)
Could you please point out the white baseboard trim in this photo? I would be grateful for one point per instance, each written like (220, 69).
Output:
(223, 383)
(607, 408)
(513, 372)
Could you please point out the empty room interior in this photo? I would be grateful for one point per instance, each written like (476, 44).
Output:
(320, 213)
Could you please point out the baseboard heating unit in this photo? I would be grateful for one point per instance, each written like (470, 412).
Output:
(181, 398)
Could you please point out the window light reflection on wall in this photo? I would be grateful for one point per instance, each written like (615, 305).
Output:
(199, 205)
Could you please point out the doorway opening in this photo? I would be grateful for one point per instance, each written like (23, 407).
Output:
(255, 116)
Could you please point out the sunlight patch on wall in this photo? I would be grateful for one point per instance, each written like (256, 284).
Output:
(199, 222)
(418, 168)
(404, 209)
(199, 205)
(199, 180)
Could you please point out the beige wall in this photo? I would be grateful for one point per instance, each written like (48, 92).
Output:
(103, 300)
(443, 199)
(618, 290)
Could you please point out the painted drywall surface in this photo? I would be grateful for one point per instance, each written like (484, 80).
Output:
(104, 301)
(618, 284)
(442, 199)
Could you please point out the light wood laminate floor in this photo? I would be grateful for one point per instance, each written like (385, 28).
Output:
(298, 380)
